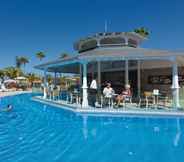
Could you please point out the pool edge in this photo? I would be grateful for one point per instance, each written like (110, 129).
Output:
(100, 112)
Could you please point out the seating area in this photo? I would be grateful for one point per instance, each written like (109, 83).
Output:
(108, 98)
(154, 99)
(56, 93)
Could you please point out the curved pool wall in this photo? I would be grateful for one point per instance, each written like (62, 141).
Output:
(35, 132)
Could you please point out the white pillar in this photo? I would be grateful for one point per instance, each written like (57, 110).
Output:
(126, 73)
(84, 86)
(80, 71)
(99, 75)
(55, 75)
(175, 85)
(45, 84)
(138, 78)
(126, 41)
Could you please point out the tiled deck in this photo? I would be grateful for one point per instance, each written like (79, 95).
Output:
(128, 110)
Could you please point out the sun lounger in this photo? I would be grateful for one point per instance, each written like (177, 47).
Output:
(4, 89)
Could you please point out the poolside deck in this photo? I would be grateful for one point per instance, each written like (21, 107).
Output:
(128, 110)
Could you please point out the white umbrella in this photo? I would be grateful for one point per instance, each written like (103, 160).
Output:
(10, 81)
(21, 78)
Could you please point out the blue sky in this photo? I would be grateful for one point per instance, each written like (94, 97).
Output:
(28, 26)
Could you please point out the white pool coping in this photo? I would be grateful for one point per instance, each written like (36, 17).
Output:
(13, 93)
(109, 112)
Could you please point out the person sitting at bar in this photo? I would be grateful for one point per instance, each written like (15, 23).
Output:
(125, 93)
(108, 93)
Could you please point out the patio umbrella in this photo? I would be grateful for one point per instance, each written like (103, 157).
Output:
(10, 81)
(72, 79)
(21, 78)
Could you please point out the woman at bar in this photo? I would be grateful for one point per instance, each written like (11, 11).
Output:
(125, 93)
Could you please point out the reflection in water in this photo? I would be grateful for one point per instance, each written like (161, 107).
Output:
(44, 108)
(93, 132)
(85, 128)
(178, 133)
(156, 129)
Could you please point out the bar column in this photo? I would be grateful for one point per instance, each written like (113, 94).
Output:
(80, 73)
(138, 78)
(84, 86)
(45, 84)
(175, 85)
(55, 76)
(99, 77)
(126, 73)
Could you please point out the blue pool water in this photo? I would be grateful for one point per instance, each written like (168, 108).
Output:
(34, 132)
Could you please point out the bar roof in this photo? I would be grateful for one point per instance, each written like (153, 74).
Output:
(108, 54)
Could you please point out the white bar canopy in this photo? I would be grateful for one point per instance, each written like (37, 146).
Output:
(71, 64)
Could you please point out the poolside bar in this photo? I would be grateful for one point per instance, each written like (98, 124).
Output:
(118, 57)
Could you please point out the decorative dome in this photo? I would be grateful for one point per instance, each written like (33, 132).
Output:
(121, 39)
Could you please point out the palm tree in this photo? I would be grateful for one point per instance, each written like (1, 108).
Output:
(32, 77)
(24, 61)
(142, 31)
(40, 55)
(64, 55)
(2, 73)
(17, 62)
(49, 78)
(12, 72)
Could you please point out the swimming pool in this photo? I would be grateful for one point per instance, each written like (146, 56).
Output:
(35, 132)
